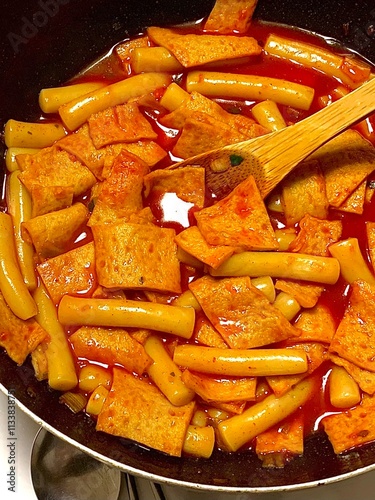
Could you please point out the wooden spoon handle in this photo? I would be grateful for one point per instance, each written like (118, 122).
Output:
(271, 157)
(293, 144)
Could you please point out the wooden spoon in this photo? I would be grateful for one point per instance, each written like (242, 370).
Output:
(269, 158)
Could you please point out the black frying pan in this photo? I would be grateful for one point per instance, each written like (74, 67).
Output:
(44, 43)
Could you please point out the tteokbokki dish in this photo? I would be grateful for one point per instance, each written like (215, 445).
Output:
(175, 319)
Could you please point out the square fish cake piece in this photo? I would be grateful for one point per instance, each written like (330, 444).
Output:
(192, 241)
(228, 16)
(354, 339)
(110, 346)
(241, 313)
(122, 123)
(19, 338)
(135, 409)
(193, 50)
(315, 236)
(353, 427)
(71, 272)
(304, 192)
(346, 161)
(239, 220)
(136, 256)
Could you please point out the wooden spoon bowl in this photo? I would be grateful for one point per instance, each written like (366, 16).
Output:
(269, 158)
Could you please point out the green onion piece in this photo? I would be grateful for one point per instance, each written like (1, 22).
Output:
(234, 110)
(235, 160)
(91, 205)
(75, 401)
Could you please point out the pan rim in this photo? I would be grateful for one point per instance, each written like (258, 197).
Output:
(186, 484)
(179, 483)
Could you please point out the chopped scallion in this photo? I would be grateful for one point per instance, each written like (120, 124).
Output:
(235, 160)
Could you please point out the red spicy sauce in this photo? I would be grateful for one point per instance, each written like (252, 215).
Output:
(169, 211)
(335, 297)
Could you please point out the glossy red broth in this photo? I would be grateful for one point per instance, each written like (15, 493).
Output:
(169, 211)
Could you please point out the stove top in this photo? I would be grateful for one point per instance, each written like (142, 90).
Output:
(18, 432)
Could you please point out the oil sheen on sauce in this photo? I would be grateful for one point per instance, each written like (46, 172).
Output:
(170, 211)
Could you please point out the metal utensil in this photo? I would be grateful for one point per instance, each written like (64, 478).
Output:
(61, 471)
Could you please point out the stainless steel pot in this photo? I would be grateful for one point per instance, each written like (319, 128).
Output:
(46, 42)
